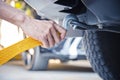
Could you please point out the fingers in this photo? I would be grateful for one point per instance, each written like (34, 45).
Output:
(52, 34)
(44, 41)
(51, 41)
(48, 40)
(52, 37)
(55, 35)
(61, 31)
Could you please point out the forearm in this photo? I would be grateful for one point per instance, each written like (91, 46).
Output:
(45, 31)
(11, 14)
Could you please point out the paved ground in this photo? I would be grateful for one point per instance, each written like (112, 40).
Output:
(79, 70)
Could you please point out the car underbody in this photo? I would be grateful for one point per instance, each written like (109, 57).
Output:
(98, 23)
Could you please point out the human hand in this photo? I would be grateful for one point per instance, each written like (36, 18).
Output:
(48, 32)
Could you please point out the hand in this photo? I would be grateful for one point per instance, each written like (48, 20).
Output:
(44, 31)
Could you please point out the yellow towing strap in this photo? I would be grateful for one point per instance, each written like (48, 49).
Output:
(8, 53)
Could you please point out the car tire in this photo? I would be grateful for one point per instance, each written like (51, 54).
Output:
(103, 52)
(35, 61)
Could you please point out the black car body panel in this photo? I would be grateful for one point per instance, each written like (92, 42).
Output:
(106, 11)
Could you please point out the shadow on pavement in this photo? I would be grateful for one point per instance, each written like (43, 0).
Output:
(73, 66)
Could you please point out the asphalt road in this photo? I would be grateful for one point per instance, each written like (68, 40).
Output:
(79, 70)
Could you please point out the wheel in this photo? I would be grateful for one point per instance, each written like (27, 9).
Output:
(103, 52)
(34, 60)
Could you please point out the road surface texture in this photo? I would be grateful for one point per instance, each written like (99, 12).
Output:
(73, 70)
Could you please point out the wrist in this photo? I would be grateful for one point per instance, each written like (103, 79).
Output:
(19, 19)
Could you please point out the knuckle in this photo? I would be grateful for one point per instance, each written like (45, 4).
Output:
(47, 32)
(52, 22)
(50, 26)
(43, 37)
(40, 38)
(57, 40)
(64, 31)
(51, 45)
